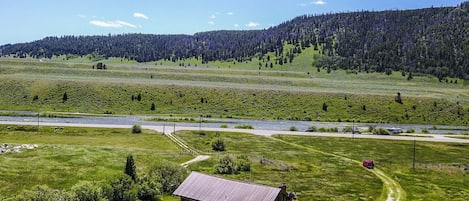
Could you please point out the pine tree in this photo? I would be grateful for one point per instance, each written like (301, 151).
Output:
(64, 97)
(130, 168)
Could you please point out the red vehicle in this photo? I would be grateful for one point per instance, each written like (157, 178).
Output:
(369, 164)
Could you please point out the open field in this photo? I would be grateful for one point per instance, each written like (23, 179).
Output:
(68, 155)
(439, 173)
(315, 168)
(226, 92)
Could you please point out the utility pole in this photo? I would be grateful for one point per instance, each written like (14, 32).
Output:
(38, 122)
(413, 161)
(200, 122)
(163, 129)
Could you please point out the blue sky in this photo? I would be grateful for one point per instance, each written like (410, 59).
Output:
(29, 20)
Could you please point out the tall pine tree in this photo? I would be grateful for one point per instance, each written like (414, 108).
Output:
(130, 168)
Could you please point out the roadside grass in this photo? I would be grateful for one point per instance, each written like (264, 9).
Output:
(439, 173)
(68, 155)
(311, 175)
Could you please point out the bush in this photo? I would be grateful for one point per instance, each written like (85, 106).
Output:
(425, 130)
(136, 129)
(226, 165)
(381, 131)
(218, 145)
(312, 129)
(149, 188)
(122, 188)
(410, 130)
(293, 128)
(464, 133)
(44, 193)
(244, 126)
(328, 130)
(224, 126)
(86, 190)
(230, 165)
(169, 176)
(244, 164)
(347, 129)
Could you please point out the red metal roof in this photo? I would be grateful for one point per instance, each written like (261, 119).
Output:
(198, 186)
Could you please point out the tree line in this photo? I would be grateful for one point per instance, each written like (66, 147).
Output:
(431, 41)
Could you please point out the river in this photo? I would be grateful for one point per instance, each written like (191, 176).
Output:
(279, 125)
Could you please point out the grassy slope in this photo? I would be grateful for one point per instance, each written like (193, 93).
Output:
(68, 155)
(277, 93)
(439, 173)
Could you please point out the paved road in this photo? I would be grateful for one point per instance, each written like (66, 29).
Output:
(170, 129)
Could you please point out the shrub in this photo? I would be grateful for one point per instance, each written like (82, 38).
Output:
(293, 128)
(86, 190)
(347, 129)
(149, 188)
(169, 176)
(224, 126)
(245, 126)
(218, 145)
(122, 188)
(464, 133)
(226, 165)
(380, 131)
(312, 129)
(410, 130)
(44, 193)
(244, 164)
(231, 165)
(425, 130)
(136, 129)
(329, 130)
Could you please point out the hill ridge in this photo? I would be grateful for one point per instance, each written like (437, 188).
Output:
(430, 40)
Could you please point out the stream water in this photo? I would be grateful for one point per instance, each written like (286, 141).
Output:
(29, 116)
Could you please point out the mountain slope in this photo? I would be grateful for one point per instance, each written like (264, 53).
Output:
(433, 41)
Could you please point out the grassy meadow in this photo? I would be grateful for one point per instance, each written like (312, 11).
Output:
(310, 166)
(68, 155)
(229, 90)
(300, 162)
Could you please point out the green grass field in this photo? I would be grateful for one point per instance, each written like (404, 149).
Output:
(238, 91)
(299, 162)
(314, 168)
(67, 155)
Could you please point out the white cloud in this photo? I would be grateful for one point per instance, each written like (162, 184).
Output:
(112, 24)
(236, 25)
(319, 2)
(211, 22)
(141, 15)
(82, 16)
(126, 24)
(213, 16)
(252, 24)
(230, 13)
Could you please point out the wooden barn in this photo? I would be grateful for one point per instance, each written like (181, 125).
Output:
(202, 187)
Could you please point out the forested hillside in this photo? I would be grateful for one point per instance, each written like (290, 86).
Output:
(432, 41)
